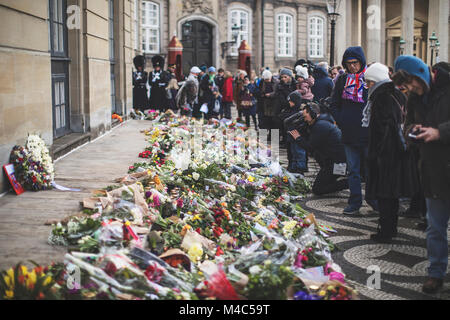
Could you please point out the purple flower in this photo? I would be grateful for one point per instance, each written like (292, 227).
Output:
(241, 182)
(301, 295)
(148, 194)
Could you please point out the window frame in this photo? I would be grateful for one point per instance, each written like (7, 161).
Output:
(234, 50)
(147, 28)
(285, 17)
(59, 24)
(316, 38)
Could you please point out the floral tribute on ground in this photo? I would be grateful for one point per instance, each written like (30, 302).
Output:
(207, 214)
(33, 165)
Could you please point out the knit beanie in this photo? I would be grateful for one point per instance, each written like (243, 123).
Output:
(296, 98)
(266, 75)
(302, 72)
(286, 72)
(377, 72)
(414, 66)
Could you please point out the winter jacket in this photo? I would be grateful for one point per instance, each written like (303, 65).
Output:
(227, 95)
(248, 93)
(433, 110)
(282, 91)
(325, 141)
(238, 84)
(305, 88)
(348, 113)
(323, 86)
(392, 169)
(266, 104)
(219, 81)
(187, 95)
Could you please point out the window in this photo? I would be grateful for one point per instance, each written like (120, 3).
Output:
(150, 27)
(240, 18)
(136, 24)
(284, 35)
(57, 27)
(316, 33)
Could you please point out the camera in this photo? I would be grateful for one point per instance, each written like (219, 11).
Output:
(296, 122)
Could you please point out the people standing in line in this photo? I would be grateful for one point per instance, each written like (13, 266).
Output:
(428, 121)
(227, 96)
(304, 83)
(348, 101)
(140, 77)
(247, 97)
(391, 169)
(238, 84)
(324, 140)
(172, 91)
(158, 80)
(323, 86)
(336, 71)
(187, 96)
(266, 101)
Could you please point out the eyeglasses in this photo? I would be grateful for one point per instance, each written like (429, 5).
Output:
(353, 62)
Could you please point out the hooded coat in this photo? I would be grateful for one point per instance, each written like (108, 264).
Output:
(266, 104)
(323, 86)
(349, 113)
(392, 169)
(433, 110)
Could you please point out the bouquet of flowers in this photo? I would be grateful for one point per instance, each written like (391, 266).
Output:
(33, 164)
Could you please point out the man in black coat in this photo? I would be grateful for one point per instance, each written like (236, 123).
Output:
(140, 98)
(158, 80)
(325, 141)
(429, 120)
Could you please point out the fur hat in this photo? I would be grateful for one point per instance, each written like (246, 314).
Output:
(195, 70)
(158, 61)
(139, 61)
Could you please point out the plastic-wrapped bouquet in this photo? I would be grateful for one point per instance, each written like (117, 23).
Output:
(33, 164)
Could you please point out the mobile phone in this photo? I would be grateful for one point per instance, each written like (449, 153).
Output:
(413, 136)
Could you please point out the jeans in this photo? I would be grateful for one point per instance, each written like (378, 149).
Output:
(437, 244)
(296, 155)
(355, 157)
(226, 109)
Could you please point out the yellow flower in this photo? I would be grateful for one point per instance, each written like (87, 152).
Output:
(31, 280)
(196, 217)
(9, 294)
(251, 178)
(322, 293)
(195, 252)
(47, 280)
(24, 270)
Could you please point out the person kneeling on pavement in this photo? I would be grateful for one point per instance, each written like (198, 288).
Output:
(325, 141)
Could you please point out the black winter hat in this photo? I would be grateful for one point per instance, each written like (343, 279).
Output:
(296, 98)
(158, 61)
(139, 61)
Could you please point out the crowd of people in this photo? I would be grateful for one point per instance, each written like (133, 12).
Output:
(387, 127)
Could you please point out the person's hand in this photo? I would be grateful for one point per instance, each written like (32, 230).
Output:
(294, 134)
(428, 134)
(267, 94)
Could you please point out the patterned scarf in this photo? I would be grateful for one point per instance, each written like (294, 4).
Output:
(354, 87)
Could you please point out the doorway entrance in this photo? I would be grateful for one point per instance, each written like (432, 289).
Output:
(197, 44)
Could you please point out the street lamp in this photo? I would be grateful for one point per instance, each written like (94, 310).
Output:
(437, 51)
(333, 8)
(402, 46)
(433, 39)
(234, 34)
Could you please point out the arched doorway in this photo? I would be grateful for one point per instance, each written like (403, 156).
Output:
(197, 40)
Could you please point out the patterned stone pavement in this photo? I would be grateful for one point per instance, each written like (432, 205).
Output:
(403, 264)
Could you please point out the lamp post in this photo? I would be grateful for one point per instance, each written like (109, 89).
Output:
(433, 39)
(402, 46)
(234, 34)
(333, 7)
(437, 51)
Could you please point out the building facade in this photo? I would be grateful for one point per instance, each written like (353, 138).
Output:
(278, 32)
(65, 66)
(380, 27)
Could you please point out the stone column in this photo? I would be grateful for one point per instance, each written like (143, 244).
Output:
(257, 36)
(443, 33)
(408, 25)
(342, 37)
(390, 52)
(373, 15)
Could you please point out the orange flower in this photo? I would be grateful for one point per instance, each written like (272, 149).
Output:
(41, 296)
(157, 180)
(224, 204)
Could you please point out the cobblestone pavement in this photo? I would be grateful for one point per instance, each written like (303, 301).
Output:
(403, 264)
